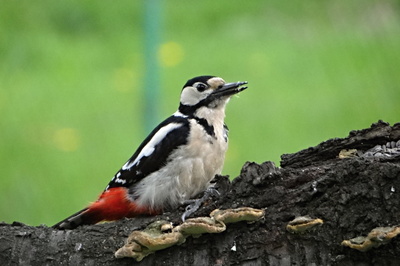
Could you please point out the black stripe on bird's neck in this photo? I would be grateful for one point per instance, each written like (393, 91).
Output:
(207, 127)
(189, 111)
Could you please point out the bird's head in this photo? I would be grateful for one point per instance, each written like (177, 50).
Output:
(207, 91)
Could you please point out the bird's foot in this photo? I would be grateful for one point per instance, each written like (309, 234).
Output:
(194, 204)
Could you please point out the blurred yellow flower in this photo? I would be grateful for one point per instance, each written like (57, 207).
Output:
(170, 54)
(66, 139)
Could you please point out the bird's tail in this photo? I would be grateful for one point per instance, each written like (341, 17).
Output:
(113, 204)
(82, 217)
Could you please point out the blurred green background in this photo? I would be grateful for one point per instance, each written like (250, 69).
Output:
(72, 85)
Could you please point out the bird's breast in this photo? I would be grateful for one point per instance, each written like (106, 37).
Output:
(188, 170)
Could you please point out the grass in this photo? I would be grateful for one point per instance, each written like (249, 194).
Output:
(72, 88)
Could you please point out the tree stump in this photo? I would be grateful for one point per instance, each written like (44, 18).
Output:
(350, 190)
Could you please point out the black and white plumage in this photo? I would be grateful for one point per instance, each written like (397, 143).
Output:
(175, 162)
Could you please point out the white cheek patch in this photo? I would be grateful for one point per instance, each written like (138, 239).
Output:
(149, 148)
(191, 96)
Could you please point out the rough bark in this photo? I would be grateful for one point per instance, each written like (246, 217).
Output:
(352, 196)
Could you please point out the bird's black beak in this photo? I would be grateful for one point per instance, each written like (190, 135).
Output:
(229, 89)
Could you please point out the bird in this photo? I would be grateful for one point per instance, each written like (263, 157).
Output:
(174, 163)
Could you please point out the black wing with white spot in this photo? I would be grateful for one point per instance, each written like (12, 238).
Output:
(153, 153)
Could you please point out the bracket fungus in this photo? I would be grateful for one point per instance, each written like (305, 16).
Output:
(301, 224)
(161, 234)
(378, 236)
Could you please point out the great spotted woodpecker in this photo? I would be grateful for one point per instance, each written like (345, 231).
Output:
(174, 163)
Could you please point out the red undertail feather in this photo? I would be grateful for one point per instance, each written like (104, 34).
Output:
(112, 204)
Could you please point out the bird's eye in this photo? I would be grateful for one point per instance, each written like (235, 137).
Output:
(201, 87)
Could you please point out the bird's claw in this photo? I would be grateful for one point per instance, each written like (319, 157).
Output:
(194, 204)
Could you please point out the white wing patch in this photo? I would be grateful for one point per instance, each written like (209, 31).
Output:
(149, 148)
(116, 179)
(179, 114)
